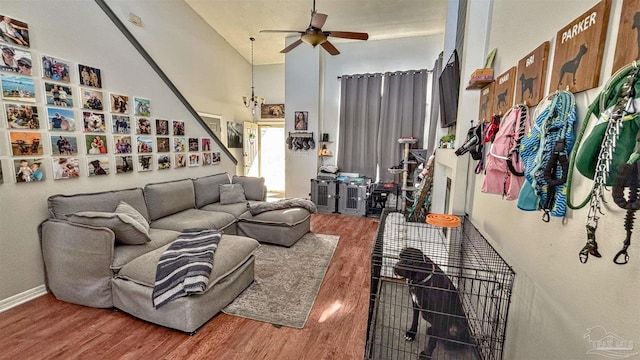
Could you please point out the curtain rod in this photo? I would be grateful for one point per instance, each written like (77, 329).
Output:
(391, 73)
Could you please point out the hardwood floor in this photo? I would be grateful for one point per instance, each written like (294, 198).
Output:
(46, 328)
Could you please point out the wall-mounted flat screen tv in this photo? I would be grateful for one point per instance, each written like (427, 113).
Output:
(449, 89)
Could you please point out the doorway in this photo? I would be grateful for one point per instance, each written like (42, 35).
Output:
(271, 158)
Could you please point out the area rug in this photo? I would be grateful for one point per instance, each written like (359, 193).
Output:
(287, 281)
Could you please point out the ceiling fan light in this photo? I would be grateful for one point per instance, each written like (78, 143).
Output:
(314, 39)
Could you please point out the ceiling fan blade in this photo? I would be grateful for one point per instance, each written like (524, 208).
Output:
(330, 48)
(282, 31)
(348, 35)
(318, 20)
(291, 47)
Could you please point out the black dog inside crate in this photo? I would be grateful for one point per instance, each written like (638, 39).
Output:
(436, 293)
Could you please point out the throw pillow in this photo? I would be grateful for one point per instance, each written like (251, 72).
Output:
(126, 229)
(232, 194)
(124, 208)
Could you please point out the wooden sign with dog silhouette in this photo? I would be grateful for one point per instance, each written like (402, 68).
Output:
(486, 103)
(579, 48)
(532, 70)
(503, 92)
(628, 44)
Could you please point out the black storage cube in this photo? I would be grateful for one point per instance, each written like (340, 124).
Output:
(324, 195)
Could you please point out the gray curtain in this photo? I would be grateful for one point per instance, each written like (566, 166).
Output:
(359, 121)
(435, 106)
(402, 114)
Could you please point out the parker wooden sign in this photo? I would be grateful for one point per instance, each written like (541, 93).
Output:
(578, 50)
(628, 44)
(532, 70)
(503, 92)
(485, 110)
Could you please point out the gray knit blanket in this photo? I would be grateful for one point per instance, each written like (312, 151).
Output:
(184, 268)
(258, 208)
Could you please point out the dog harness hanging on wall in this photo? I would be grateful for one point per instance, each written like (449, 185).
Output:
(504, 172)
(545, 153)
(609, 156)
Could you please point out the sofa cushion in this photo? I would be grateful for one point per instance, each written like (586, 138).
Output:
(62, 205)
(122, 254)
(194, 218)
(207, 188)
(124, 208)
(126, 229)
(233, 209)
(283, 217)
(232, 194)
(232, 252)
(254, 188)
(168, 198)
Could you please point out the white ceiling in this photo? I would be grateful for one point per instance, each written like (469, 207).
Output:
(238, 20)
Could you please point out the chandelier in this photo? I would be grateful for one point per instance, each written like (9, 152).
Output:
(253, 102)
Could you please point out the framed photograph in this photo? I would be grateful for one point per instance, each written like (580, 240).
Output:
(55, 69)
(206, 144)
(145, 144)
(163, 144)
(215, 158)
(17, 88)
(179, 144)
(124, 164)
(90, 76)
(22, 116)
(122, 144)
(121, 124)
(64, 145)
(272, 111)
(15, 60)
(119, 103)
(302, 120)
(29, 170)
(164, 162)
(58, 94)
(1, 175)
(178, 128)
(143, 126)
(96, 144)
(194, 159)
(94, 122)
(193, 144)
(142, 107)
(26, 143)
(98, 166)
(214, 122)
(181, 160)
(61, 119)
(206, 158)
(162, 127)
(92, 99)
(234, 135)
(145, 162)
(65, 168)
(14, 31)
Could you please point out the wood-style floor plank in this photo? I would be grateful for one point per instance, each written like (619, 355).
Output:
(46, 328)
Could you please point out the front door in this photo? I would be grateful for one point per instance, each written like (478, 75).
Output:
(250, 149)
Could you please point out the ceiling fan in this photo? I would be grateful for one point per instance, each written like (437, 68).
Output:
(314, 35)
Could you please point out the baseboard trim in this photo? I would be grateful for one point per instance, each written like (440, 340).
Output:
(22, 298)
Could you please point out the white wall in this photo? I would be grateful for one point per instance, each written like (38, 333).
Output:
(556, 298)
(80, 32)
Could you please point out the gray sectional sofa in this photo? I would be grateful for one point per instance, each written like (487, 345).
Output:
(102, 249)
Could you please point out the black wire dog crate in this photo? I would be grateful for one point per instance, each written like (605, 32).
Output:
(324, 194)
(451, 277)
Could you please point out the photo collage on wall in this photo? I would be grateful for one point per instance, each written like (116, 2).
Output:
(79, 127)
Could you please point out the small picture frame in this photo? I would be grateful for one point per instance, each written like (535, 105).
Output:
(15, 60)
(94, 122)
(163, 144)
(301, 120)
(143, 126)
(64, 145)
(1, 175)
(178, 128)
(26, 143)
(206, 144)
(22, 117)
(15, 32)
(65, 168)
(119, 103)
(92, 99)
(61, 119)
(96, 144)
(145, 144)
(55, 69)
(98, 166)
(17, 88)
(29, 170)
(89, 76)
(215, 158)
(194, 159)
(162, 127)
(145, 162)
(179, 144)
(124, 164)
(142, 107)
(164, 161)
(180, 160)
(193, 144)
(121, 124)
(122, 144)
(58, 94)
(206, 158)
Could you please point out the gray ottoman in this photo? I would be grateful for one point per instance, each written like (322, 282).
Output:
(280, 227)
